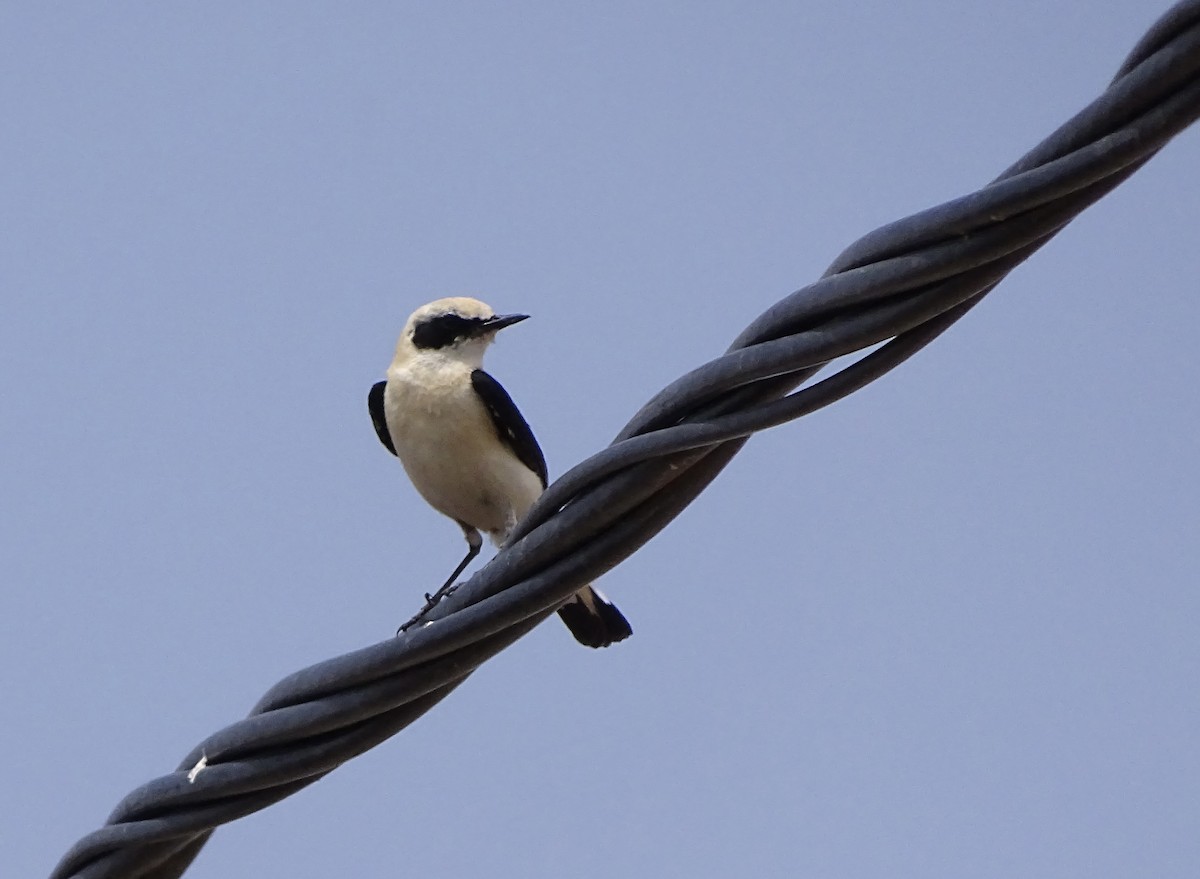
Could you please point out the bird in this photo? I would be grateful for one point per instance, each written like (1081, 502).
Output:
(466, 447)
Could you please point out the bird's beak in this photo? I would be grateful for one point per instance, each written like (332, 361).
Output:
(500, 321)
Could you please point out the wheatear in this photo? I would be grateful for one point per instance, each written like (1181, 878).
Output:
(466, 446)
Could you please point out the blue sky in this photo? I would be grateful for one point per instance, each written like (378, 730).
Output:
(946, 627)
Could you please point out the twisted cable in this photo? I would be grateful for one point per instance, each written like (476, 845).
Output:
(897, 288)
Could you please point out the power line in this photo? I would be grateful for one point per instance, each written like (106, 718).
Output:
(898, 287)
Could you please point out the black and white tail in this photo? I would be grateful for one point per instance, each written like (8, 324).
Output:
(593, 619)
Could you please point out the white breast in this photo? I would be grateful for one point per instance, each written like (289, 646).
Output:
(449, 447)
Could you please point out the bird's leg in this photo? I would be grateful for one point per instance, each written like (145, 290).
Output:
(474, 544)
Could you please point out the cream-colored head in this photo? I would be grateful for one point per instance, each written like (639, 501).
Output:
(457, 328)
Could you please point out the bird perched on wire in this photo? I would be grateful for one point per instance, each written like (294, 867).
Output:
(465, 445)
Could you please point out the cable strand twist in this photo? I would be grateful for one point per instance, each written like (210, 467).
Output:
(897, 288)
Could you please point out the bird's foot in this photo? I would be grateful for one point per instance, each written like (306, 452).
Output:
(431, 601)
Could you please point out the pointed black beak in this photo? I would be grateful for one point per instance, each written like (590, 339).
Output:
(500, 321)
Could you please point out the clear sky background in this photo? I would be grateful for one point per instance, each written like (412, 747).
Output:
(945, 628)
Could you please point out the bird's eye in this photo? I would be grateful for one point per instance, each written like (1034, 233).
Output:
(445, 329)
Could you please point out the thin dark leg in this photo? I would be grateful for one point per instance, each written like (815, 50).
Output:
(474, 544)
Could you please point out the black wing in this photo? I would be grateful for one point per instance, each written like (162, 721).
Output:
(511, 426)
(375, 406)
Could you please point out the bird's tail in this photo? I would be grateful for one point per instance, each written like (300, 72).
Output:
(593, 619)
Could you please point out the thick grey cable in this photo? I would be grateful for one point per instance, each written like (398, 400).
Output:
(902, 285)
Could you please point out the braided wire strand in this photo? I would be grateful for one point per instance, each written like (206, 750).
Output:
(897, 288)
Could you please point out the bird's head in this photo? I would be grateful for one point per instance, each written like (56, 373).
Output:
(459, 327)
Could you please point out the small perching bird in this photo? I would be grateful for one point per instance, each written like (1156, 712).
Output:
(465, 445)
